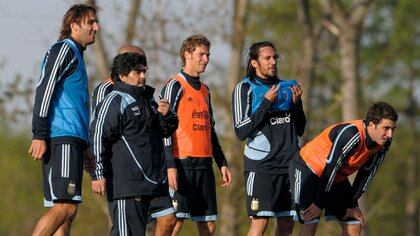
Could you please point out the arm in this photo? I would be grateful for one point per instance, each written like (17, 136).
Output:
(172, 93)
(58, 62)
(103, 130)
(167, 119)
(218, 154)
(220, 158)
(244, 121)
(365, 175)
(297, 110)
(346, 139)
(299, 117)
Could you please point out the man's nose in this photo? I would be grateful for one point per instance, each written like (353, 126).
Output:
(206, 58)
(142, 75)
(96, 26)
(390, 133)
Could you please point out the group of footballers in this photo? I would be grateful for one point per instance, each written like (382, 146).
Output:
(152, 158)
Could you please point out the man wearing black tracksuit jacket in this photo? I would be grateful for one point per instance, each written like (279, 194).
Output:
(126, 138)
(272, 131)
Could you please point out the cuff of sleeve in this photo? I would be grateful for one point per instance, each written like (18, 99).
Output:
(266, 104)
(223, 163)
(40, 136)
(95, 176)
(170, 164)
(170, 115)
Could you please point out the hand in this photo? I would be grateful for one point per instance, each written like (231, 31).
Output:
(297, 93)
(312, 212)
(173, 178)
(163, 107)
(271, 94)
(355, 213)
(38, 149)
(98, 186)
(89, 162)
(226, 176)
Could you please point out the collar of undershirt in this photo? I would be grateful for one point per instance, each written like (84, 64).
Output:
(267, 81)
(194, 81)
(78, 45)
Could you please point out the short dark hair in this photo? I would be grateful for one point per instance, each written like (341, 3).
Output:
(75, 14)
(379, 111)
(124, 63)
(191, 43)
(253, 54)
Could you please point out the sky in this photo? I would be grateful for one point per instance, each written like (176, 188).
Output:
(29, 29)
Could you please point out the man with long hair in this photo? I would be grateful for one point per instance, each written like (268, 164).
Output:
(60, 120)
(271, 124)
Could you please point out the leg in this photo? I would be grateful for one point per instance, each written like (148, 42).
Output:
(62, 170)
(303, 185)
(351, 229)
(338, 198)
(61, 215)
(151, 228)
(284, 226)
(203, 206)
(165, 225)
(178, 227)
(206, 228)
(308, 229)
(258, 226)
(64, 230)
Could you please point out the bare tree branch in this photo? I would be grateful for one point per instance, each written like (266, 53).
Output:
(130, 30)
(358, 11)
(331, 27)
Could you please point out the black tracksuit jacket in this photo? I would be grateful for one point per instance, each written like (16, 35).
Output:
(126, 138)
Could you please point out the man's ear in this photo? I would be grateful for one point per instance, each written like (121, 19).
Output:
(371, 125)
(122, 78)
(74, 27)
(254, 63)
(187, 55)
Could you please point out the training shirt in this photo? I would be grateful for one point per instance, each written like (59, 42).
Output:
(58, 88)
(173, 92)
(272, 135)
(343, 149)
(193, 135)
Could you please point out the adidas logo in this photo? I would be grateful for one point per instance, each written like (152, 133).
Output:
(189, 99)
